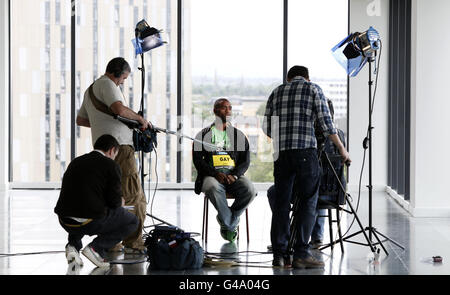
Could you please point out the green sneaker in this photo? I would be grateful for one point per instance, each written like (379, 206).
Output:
(229, 235)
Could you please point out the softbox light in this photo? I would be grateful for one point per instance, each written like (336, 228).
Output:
(353, 52)
(147, 38)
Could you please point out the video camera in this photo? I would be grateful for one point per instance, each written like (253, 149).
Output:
(145, 140)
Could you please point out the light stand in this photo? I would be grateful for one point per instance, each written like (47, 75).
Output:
(368, 145)
(359, 49)
(146, 38)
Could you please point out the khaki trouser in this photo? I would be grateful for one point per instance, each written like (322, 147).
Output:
(132, 193)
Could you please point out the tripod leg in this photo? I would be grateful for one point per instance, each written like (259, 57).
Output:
(293, 233)
(390, 240)
(369, 242)
(292, 227)
(379, 241)
(353, 234)
(339, 230)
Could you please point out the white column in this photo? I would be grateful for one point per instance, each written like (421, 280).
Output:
(430, 106)
(4, 94)
(363, 14)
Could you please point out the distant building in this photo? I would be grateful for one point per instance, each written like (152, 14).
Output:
(41, 78)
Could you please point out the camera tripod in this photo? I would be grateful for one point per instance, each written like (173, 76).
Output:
(296, 205)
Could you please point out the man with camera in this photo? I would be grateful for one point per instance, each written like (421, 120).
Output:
(90, 203)
(105, 93)
(291, 110)
(221, 170)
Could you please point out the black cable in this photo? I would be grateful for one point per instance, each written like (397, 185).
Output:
(376, 79)
(359, 195)
(156, 185)
(238, 252)
(229, 256)
(3, 255)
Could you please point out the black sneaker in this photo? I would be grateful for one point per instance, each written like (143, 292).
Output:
(281, 261)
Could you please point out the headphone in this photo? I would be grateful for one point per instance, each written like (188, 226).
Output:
(118, 66)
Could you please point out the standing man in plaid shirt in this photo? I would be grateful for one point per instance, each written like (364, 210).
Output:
(289, 119)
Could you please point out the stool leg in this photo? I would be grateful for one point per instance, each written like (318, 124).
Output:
(248, 232)
(339, 230)
(330, 224)
(204, 220)
(207, 217)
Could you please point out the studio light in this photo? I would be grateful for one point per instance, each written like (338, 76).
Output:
(356, 49)
(147, 38)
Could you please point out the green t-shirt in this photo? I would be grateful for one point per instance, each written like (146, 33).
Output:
(220, 138)
(221, 161)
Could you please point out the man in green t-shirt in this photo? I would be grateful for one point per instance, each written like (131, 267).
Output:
(221, 170)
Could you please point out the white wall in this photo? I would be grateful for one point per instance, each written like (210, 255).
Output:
(430, 163)
(4, 95)
(363, 14)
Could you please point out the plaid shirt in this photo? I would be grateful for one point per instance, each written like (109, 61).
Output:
(290, 114)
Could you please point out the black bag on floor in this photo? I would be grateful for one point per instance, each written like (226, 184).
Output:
(169, 248)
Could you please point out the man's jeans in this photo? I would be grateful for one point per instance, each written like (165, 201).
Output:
(302, 165)
(317, 232)
(319, 225)
(242, 189)
(110, 230)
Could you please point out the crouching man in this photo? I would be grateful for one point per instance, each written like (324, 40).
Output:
(90, 203)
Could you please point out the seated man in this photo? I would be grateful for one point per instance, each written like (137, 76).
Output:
(221, 171)
(90, 203)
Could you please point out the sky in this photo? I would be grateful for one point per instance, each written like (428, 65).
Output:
(244, 38)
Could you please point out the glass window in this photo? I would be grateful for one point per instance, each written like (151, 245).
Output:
(236, 51)
(314, 28)
(227, 52)
(105, 32)
(40, 103)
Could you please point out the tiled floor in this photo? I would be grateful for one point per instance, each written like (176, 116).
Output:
(28, 224)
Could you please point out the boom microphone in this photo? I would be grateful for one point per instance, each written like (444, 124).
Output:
(133, 124)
